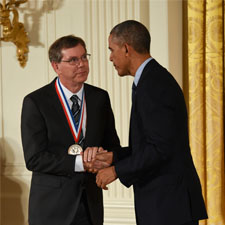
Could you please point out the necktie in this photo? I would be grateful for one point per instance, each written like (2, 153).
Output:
(76, 115)
(134, 87)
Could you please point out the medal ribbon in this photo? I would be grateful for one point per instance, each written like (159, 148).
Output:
(76, 130)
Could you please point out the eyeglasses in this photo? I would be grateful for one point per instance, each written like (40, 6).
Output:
(74, 61)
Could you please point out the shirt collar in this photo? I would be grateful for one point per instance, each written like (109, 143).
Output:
(140, 70)
(69, 94)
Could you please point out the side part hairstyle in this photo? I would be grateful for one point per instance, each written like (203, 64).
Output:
(70, 41)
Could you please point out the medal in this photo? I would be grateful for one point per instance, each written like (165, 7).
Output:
(75, 149)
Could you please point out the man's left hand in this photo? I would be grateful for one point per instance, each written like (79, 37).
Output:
(105, 177)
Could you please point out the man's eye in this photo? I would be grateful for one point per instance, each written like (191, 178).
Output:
(74, 60)
(84, 57)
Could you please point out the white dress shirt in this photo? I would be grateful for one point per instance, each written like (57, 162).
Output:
(78, 160)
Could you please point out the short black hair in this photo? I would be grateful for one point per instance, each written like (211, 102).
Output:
(69, 41)
(133, 33)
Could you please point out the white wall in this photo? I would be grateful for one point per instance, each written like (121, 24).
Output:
(92, 20)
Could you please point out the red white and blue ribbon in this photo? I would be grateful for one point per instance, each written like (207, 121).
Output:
(75, 129)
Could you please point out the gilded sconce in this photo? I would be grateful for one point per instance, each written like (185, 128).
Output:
(14, 31)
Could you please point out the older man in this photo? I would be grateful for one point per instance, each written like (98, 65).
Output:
(59, 120)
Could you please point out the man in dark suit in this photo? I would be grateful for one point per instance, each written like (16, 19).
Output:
(158, 161)
(58, 121)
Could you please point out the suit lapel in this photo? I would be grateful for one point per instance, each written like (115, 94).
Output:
(146, 72)
(55, 104)
(151, 64)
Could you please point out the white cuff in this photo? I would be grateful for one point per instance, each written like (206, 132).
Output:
(79, 164)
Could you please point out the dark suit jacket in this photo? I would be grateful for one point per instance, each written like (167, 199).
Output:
(55, 187)
(158, 162)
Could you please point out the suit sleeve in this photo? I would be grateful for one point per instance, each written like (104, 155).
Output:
(39, 155)
(156, 127)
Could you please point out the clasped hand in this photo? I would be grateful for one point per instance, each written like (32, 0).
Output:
(97, 160)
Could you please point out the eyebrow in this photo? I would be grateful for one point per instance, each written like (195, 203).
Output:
(72, 57)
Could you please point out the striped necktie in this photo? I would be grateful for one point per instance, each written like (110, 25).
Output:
(76, 115)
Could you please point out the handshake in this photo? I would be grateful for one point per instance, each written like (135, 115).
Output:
(99, 161)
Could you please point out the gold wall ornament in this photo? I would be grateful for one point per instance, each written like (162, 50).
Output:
(14, 31)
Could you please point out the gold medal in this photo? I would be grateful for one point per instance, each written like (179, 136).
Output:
(75, 149)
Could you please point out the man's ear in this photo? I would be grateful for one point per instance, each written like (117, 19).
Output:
(128, 49)
(55, 66)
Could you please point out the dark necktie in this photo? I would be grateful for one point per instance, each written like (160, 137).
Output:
(76, 115)
(134, 87)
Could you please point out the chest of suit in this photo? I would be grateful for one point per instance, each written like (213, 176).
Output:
(56, 122)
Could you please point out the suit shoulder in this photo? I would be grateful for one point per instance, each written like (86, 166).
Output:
(159, 83)
(158, 71)
(90, 88)
(159, 76)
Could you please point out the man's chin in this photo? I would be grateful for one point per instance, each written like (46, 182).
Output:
(122, 74)
(83, 78)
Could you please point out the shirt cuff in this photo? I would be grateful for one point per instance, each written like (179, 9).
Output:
(79, 164)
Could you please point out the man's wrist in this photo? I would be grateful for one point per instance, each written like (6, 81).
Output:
(114, 171)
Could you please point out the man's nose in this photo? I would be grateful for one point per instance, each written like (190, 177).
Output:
(110, 58)
(80, 63)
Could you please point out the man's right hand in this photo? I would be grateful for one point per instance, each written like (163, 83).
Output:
(101, 160)
(90, 153)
